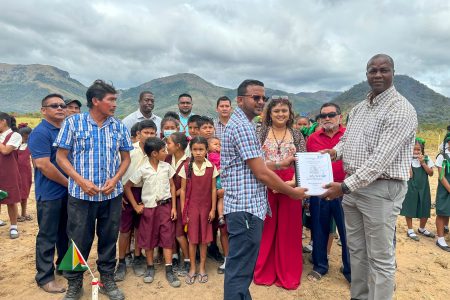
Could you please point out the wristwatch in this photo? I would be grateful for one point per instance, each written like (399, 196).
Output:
(345, 188)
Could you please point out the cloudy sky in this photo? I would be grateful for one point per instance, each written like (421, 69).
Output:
(295, 45)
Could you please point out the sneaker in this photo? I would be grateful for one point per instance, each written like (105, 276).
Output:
(214, 253)
(121, 271)
(129, 260)
(307, 249)
(13, 233)
(149, 274)
(175, 264)
(139, 265)
(74, 289)
(221, 269)
(172, 278)
(109, 287)
(185, 269)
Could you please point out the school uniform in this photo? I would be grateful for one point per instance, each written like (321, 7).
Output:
(25, 171)
(179, 228)
(10, 176)
(417, 203)
(198, 200)
(156, 227)
(129, 219)
(442, 195)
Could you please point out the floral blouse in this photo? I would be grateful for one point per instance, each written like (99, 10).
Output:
(271, 153)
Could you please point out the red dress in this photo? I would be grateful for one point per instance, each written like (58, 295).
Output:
(198, 205)
(25, 172)
(9, 175)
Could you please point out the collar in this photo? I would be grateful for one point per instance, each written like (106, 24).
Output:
(49, 125)
(205, 164)
(108, 120)
(148, 165)
(5, 133)
(340, 130)
(183, 117)
(386, 95)
(139, 115)
(241, 115)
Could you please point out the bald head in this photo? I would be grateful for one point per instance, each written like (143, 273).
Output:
(381, 56)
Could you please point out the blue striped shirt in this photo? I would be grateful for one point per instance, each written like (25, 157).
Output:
(243, 192)
(95, 151)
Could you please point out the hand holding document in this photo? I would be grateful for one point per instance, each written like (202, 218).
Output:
(312, 171)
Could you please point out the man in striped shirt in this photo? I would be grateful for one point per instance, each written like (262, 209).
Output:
(376, 150)
(99, 148)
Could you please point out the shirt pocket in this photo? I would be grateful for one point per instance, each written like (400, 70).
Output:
(116, 140)
(83, 141)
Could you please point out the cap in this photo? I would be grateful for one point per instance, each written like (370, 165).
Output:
(68, 101)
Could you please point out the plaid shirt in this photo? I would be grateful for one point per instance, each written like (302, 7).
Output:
(94, 151)
(219, 128)
(379, 140)
(243, 192)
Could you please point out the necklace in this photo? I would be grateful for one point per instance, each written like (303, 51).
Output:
(276, 140)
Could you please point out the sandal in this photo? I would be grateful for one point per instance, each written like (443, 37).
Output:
(190, 279)
(314, 276)
(412, 236)
(203, 278)
(426, 233)
(13, 233)
(28, 217)
(21, 219)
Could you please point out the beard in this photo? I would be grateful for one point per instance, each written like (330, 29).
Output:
(329, 126)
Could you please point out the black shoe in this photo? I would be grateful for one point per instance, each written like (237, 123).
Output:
(74, 289)
(172, 278)
(129, 259)
(139, 265)
(149, 275)
(175, 264)
(445, 248)
(214, 253)
(110, 288)
(121, 271)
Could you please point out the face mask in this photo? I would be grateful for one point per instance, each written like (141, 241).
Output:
(167, 133)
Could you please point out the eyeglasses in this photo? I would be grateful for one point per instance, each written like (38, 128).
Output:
(329, 115)
(276, 97)
(256, 98)
(56, 105)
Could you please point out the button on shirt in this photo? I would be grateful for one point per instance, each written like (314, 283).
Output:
(40, 144)
(95, 151)
(155, 183)
(137, 116)
(319, 140)
(379, 139)
(243, 192)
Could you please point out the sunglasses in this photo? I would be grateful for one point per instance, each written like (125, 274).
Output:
(329, 115)
(256, 98)
(276, 97)
(56, 105)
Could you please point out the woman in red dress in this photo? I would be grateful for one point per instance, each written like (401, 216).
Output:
(9, 170)
(280, 255)
(24, 160)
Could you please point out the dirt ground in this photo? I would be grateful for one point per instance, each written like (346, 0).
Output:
(423, 271)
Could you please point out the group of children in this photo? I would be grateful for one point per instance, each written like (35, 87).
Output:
(172, 195)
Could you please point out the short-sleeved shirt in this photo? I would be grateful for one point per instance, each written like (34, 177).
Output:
(440, 158)
(415, 163)
(155, 183)
(15, 140)
(174, 164)
(138, 158)
(95, 151)
(40, 144)
(243, 192)
(137, 116)
(319, 140)
(184, 123)
(199, 171)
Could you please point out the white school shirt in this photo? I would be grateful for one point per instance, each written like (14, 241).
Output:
(155, 183)
(415, 163)
(199, 171)
(440, 158)
(176, 165)
(15, 140)
(138, 157)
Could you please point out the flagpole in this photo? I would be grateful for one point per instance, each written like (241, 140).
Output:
(83, 259)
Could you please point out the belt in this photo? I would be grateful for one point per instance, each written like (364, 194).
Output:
(163, 202)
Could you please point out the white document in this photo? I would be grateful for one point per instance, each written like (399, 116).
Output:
(312, 171)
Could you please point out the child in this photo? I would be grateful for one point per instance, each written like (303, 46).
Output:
(172, 114)
(443, 193)
(129, 219)
(214, 157)
(133, 132)
(193, 125)
(417, 203)
(24, 159)
(198, 204)
(206, 127)
(158, 209)
(169, 125)
(176, 146)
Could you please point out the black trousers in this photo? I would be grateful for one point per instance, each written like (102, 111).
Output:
(244, 235)
(52, 221)
(85, 218)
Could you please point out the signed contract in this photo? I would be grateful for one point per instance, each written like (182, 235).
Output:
(312, 171)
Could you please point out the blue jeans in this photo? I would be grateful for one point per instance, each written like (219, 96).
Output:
(244, 235)
(321, 213)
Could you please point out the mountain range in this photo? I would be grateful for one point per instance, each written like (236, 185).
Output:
(23, 86)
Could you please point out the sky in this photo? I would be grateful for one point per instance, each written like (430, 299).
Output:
(292, 45)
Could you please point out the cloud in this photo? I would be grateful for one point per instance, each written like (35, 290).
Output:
(291, 45)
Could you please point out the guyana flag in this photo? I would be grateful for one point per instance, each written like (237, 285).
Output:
(73, 260)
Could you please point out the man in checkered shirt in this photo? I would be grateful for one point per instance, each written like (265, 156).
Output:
(244, 174)
(376, 150)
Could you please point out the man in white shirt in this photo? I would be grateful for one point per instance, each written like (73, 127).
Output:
(146, 105)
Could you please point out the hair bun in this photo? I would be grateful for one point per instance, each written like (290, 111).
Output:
(22, 125)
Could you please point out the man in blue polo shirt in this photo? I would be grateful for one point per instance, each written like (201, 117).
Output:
(99, 147)
(51, 193)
